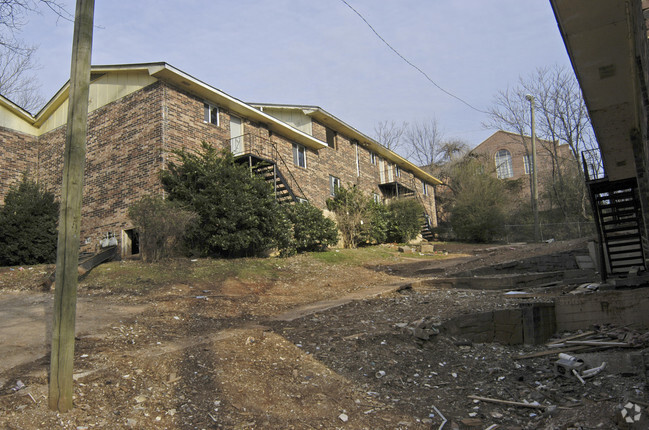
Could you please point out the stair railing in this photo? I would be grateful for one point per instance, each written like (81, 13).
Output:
(266, 149)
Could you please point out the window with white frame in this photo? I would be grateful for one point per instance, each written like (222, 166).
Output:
(373, 158)
(376, 198)
(527, 162)
(210, 114)
(424, 188)
(504, 167)
(299, 155)
(397, 171)
(334, 183)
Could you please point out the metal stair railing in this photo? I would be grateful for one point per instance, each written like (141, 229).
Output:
(265, 149)
(420, 200)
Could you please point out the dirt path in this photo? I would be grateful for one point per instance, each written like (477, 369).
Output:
(322, 346)
(25, 332)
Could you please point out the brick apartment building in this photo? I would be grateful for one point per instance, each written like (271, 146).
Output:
(509, 156)
(139, 113)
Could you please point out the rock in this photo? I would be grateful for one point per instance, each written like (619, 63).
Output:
(343, 417)
(427, 248)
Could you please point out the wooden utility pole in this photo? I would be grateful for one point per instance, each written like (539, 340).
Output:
(67, 253)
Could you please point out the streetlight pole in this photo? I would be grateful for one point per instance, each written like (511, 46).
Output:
(535, 184)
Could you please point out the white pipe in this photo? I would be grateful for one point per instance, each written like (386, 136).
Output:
(443, 418)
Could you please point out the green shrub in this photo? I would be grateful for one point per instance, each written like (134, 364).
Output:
(404, 220)
(351, 207)
(28, 223)
(378, 220)
(161, 226)
(312, 231)
(238, 214)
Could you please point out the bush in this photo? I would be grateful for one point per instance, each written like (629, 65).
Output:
(351, 206)
(478, 213)
(161, 226)
(312, 231)
(404, 220)
(28, 223)
(376, 230)
(237, 211)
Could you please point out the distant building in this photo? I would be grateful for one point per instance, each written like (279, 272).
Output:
(509, 156)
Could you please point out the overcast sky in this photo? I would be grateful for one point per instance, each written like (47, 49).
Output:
(322, 53)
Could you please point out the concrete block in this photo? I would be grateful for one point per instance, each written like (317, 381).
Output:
(539, 322)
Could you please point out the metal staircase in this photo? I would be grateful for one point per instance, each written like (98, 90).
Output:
(619, 220)
(616, 205)
(270, 173)
(263, 159)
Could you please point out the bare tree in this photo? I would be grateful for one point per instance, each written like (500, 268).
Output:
(17, 78)
(18, 81)
(13, 16)
(562, 118)
(423, 142)
(389, 134)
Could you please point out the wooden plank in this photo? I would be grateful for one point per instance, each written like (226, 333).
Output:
(573, 337)
(550, 352)
(597, 343)
(507, 402)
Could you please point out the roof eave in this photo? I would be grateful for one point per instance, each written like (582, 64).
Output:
(326, 118)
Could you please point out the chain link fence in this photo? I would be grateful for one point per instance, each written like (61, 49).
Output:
(557, 231)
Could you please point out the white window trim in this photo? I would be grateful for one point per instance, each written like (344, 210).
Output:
(208, 111)
(373, 158)
(296, 155)
(333, 183)
(504, 166)
(527, 162)
(424, 188)
(358, 161)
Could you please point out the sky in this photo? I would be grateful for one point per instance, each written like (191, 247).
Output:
(322, 53)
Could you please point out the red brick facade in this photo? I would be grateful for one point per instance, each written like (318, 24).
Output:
(131, 139)
(18, 154)
(518, 147)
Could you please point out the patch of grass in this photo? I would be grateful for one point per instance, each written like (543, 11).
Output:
(138, 278)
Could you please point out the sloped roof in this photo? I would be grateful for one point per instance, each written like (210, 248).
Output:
(328, 119)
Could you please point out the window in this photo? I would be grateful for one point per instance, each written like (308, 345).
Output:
(299, 155)
(358, 161)
(527, 161)
(210, 114)
(333, 184)
(397, 171)
(504, 164)
(424, 188)
(331, 138)
(376, 198)
(373, 158)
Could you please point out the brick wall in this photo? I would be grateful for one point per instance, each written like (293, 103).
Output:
(131, 139)
(123, 160)
(18, 154)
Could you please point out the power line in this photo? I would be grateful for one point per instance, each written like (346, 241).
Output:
(410, 63)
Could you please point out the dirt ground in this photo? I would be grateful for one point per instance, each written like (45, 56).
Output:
(322, 347)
